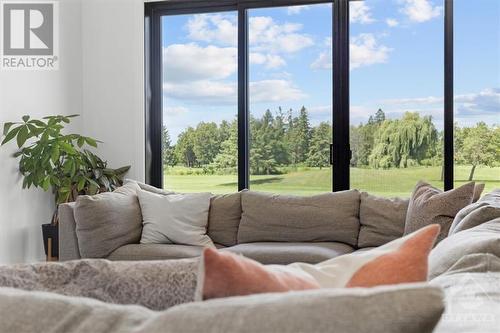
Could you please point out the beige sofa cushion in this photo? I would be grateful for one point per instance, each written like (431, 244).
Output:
(382, 219)
(286, 253)
(107, 221)
(429, 205)
(484, 238)
(330, 217)
(155, 252)
(407, 308)
(486, 209)
(224, 218)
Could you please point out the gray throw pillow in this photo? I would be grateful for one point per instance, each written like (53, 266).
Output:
(330, 217)
(484, 238)
(429, 205)
(107, 221)
(486, 209)
(382, 219)
(478, 190)
(224, 218)
(415, 308)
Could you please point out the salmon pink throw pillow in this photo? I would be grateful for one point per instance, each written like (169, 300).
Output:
(404, 260)
(225, 274)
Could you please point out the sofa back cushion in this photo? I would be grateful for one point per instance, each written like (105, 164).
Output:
(224, 218)
(107, 221)
(484, 238)
(486, 209)
(330, 217)
(382, 219)
(430, 205)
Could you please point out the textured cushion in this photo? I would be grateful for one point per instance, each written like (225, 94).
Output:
(403, 260)
(382, 220)
(486, 209)
(331, 217)
(106, 221)
(478, 190)
(224, 218)
(484, 238)
(429, 205)
(149, 188)
(225, 274)
(157, 285)
(155, 252)
(409, 309)
(175, 218)
(287, 253)
(472, 289)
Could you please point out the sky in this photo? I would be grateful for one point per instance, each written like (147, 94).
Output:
(397, 62)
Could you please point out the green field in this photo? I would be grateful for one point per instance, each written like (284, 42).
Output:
(394, 182)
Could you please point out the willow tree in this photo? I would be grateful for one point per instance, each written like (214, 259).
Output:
(404, 142)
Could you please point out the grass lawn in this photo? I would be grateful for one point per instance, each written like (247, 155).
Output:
(395, 182)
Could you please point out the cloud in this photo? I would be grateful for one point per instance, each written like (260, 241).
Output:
(392, 22)
(365, 51)
(220, 28)
(269, 36)
(420, 10)
(225, 93)
(486, 101)
(419, 101)
(294, 10)
(188, 62)
(323, 61)
(175, 110)
(270, 61)
(274, 91)
(359, 12)
(202, 92)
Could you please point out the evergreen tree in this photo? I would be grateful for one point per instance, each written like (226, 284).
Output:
(168, 150)
(227, 159)
(184, 149)
(319, 154)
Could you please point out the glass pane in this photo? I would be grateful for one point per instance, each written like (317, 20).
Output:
(200, 102)
(477, 92)
(291, 99)
(397, 83)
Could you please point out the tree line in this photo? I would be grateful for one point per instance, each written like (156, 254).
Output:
(287, 139)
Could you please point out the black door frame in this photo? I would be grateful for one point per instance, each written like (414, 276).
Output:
(341, 153)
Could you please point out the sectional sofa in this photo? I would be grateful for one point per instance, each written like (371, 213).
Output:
(272, 229)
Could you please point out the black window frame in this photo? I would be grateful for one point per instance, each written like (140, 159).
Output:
(340, 152)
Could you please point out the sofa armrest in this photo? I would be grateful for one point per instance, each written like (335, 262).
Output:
(68, 242)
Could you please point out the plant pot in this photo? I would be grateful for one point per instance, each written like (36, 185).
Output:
(51, 231)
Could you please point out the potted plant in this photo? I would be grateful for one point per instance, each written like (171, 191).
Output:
(62, 163)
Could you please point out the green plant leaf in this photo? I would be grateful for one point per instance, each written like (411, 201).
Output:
(56, 153)
(46, 183)
(123, 170)
(22, 136)
(67, 147)
(26, 118)
(81, 141)
(91, 142)
(81, 184)
(11, 135)
(6, 128)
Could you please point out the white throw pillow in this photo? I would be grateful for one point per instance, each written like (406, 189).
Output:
(175, 218)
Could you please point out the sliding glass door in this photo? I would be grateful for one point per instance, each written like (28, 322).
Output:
(199, 103)
(397, 105)
(290, 98)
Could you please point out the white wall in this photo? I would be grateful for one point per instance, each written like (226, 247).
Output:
(38, 94)
(101, 77)
(113, 80)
